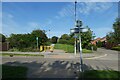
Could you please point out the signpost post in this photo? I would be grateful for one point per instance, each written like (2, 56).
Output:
(77, 30)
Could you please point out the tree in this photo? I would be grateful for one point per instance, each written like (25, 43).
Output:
(113, 38)
(41, 36)
(2, 38)
(86, 37)
(65, 36)
(22, 41)
(54, 39)
(99, 44)
(116, 27)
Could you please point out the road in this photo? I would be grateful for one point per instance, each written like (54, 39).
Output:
(58, 67)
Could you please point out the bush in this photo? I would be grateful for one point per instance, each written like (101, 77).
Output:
(94, 47)
(116, 48)
(89, 47)
(63, 41)
(99, 44)
(48, 43)
(14, 50)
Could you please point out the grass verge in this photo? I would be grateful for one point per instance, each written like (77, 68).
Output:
(117, 48)
(101, 74)
(8, 54)
(14, 72)
(69, 48)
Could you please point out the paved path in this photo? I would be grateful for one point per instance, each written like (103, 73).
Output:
(63, 67)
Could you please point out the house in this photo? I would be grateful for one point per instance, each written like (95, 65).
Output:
(99, 39)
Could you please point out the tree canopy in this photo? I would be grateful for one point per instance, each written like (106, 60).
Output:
(114, 37)
(54, 39)
(2, 38)
(27, 40)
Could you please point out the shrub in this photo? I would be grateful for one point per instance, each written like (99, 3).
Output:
(94, 47)
(89, 47)
(116, 48)
(14, 49)
(99, 44)
(63, 41)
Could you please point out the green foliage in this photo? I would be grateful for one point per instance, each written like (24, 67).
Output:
(89, 47)
(99, 44)
(54, 39)
(114, 37)
(14, 49)
(86, 37)
(48, 43)
(63, 41)
(116, 48)
(94, 47)
(2, 38)
(65, 36)
(24, 41)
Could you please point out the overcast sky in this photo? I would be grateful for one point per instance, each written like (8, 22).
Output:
(23, 17)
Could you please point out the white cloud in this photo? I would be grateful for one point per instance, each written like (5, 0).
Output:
(84, 8)
(8, 24)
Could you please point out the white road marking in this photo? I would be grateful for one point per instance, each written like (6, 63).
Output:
(96, 57)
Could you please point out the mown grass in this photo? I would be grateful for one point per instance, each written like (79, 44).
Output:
(100, 74)
(14, 72)
(15, 54)
(86, 51)
(69, 48)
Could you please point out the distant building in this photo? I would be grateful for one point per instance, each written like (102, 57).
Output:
(99, 39)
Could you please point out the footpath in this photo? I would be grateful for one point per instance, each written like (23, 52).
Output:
(61, 54)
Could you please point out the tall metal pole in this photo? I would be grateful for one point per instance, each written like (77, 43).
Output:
(49, 33)
(81, 65)
(75, 34)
